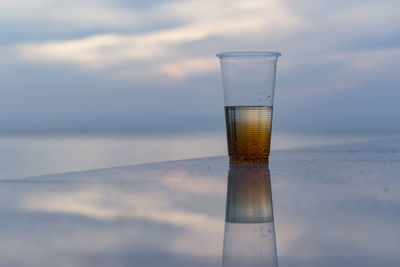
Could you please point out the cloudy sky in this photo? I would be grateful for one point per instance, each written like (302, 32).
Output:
(151, 66)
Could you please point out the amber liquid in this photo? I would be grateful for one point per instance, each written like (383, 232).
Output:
(248, 131)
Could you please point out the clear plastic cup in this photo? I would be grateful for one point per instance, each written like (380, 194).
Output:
(248, 79)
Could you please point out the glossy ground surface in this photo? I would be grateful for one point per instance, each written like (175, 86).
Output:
(333, 206)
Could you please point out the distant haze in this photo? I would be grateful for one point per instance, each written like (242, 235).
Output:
(133, 66)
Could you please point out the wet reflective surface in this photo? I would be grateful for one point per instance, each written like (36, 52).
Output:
(331, 207)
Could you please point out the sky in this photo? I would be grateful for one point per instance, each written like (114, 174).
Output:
(150, 66)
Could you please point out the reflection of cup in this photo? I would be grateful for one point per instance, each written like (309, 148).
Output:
(249, 194)
(249, 238)
(249, 83)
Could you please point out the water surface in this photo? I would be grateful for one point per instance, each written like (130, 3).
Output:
(37, 154)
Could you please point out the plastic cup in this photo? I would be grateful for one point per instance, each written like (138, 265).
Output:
(248, 79)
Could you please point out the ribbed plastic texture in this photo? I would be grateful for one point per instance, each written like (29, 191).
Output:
(248, 78)
(249, 245)
(249, 194)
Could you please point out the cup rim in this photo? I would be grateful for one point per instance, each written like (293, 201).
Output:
(248, 54)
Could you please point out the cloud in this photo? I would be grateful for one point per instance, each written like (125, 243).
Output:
(63, 15)
(129, 57)
(367, 16)
(91, 203)
(367, 60)
(171, 50)
(169, 207)
(339, 71)
(163, 48)
(184, 68)
(95, 202)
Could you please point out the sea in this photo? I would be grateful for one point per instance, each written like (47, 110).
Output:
(23, 155)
